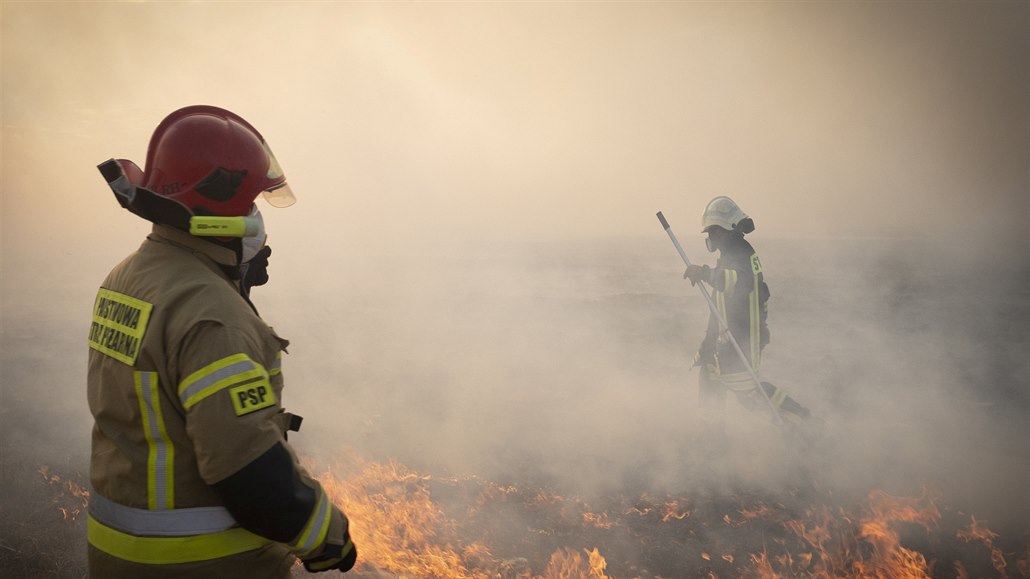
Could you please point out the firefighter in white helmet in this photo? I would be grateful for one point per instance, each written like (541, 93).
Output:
(741, 296)
(191, 472)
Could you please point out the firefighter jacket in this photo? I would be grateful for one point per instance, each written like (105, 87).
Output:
(741, 296)
(185, 387)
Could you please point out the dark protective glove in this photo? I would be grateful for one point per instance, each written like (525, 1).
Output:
(697, 273)
(255, 271)
(335, 557)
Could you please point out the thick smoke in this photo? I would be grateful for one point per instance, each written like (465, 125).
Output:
(569, 365)
(473, 279)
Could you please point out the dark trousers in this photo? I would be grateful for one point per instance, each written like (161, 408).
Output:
(712, 394)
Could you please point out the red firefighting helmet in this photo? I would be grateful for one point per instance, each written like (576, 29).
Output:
(213, 162)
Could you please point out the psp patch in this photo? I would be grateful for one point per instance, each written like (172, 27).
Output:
(252, 397)
(119, 322)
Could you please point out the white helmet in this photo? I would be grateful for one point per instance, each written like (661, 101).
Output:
(723, 212)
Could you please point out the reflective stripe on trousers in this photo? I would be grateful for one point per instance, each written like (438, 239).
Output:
(166, 537)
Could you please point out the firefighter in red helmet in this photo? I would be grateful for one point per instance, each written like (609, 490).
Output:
(192, 475)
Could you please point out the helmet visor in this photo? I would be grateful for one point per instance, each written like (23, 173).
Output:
(281, 196)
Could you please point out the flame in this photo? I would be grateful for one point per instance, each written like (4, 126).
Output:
(568, 564)
(403, 532)
(869, 548)
(671, 510)
(601, 521)
(45, 471)
(761, 565)
(986, 536)
(78, 491)
(480, 529)
(73, 494)
(892, 559)
(761, 510)
(1023, 563)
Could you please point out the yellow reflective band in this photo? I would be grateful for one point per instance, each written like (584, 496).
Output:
(277, 366)
(755, 328)
(171, 550)
(737, 380)
(229, 371)
(730, 281)
(215, 226)
(161, 454)
(316, 529)
(755, 311)
(119, 322)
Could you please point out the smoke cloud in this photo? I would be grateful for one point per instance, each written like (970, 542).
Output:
(473, 279)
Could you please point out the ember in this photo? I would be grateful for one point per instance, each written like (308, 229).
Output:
(72, 499)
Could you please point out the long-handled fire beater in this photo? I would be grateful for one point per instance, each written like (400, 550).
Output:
(723, 326)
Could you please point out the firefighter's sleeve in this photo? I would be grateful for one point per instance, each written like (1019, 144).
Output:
(724, 279)
(231, 412)
(273, 497)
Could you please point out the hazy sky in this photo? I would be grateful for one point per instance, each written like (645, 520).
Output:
(402, 122)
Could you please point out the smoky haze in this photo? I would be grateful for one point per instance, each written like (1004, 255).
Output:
(473, 279)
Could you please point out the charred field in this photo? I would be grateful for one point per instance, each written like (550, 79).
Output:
(530, 412)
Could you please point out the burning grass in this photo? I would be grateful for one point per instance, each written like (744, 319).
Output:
(413, 525)
(409, 524)
(43, 533)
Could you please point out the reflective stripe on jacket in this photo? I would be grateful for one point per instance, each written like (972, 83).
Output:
(166, 537)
